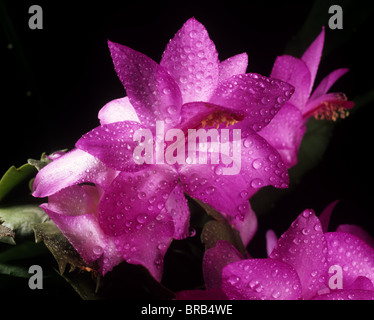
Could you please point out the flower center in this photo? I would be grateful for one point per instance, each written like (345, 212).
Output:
(218, 117)
(334, 109)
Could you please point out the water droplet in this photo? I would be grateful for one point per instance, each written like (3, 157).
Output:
(191, 232)
(233, 279)
(257, 183)
(257, 164)
(218, 170)
(210, 190)
(242, 207)
(166, 90)
(142, 218)
(244, 194)
(141, 195)
(97, 250)
(276, 294)
(248, 143)
(172, 109)
(193, 33)
(161, 246)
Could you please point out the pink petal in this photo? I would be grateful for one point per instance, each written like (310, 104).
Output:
(304, 247)
(260, 279)
(271, 241)
(191, 58)
(354, 256)
(178, 209)
(312, 56)
(211, 294)
(151, 90)
(285, 133)
(259, 97)
(247, 226)
(113, 144)
(118, 110)
(327, 83)
(227, 187)
(75, 200)
(347, 295)
(361, 283)
(234, 65)
(86, 236)
(358, 232)
(72, 168)
(136, 199)
(146, 243)
(215, 259)
(295, 72)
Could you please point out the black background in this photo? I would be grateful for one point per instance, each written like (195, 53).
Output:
(55, 80)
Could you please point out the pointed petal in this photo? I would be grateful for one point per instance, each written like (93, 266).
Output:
(353, 255)
(227, 186)
(362, 283)
(136, 198)
(260, 279)
(151, 90)
(215, 259)
(234, 65)
(191, 58)
(178, 209)
(257, 96)
(327, 83)
(312, 56)
(118, 110)
(358, 232)
(271, 241)
(285, 133)
(72, 168)
(146, 243)
(295, 72)
(113, 144)
(304, 247)
(247, 226)
(86, 236)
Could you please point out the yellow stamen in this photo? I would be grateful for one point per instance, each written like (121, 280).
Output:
(332, 110)
(217, 117)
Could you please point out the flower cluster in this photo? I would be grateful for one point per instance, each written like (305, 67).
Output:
(305, 263)
(194, 125)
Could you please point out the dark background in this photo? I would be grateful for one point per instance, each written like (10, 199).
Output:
(55, 80)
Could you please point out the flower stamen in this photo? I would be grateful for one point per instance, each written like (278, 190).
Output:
(217, 117)
(333, 110)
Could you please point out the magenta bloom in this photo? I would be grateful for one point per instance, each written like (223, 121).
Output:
(305, 263)
(286, 130)
(133, 206)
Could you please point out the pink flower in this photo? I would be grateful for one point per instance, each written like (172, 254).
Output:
(286, 130)
(305, 263)
(135, 209)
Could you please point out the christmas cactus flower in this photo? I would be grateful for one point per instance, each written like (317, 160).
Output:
(287, 128)
(305, 263)
(119, 195)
